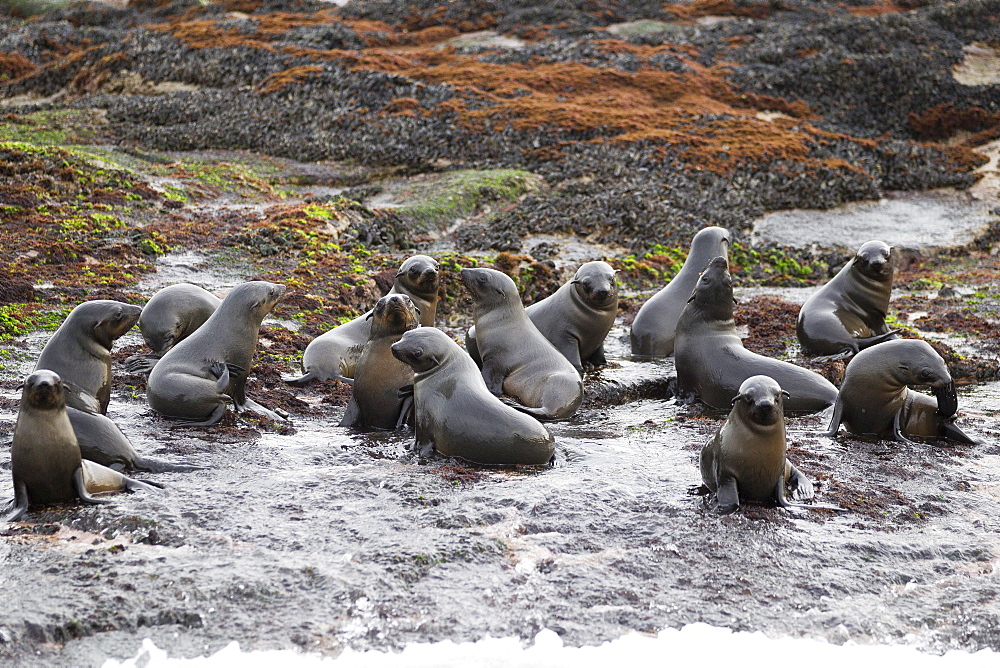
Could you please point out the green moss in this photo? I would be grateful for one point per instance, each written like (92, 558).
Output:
(20, 319)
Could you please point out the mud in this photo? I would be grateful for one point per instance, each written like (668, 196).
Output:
(317, 146)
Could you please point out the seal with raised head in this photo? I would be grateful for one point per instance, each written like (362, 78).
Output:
(169, 317)
(457, 415)
(80, 351)
(194, 379)
(712, 362)
(379, 376)
(875, 401)
(848, 313)
(333, 355)
(44, 457)
(576, 318)
(655, 325)
(746, 459)
(517, 359)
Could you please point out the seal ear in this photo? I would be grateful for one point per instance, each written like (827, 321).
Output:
(417, 309)
(370, 315)
(732, 404)
(691, 298)
(502, 293)
(19, 387)
(735, 300)
(786, 395)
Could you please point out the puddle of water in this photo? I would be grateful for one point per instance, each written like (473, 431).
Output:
(924, 221)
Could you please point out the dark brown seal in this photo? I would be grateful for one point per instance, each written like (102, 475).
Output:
(379, 376)
(457, 415)
(169, 317)
(655, 325)
(712, 362)
(517, 359)
(80, 351)
(875, 401)
(848, 313)
(45, 459)
(333, 355)
(196, 377)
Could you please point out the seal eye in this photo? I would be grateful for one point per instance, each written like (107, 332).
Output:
(417, 354)
(925, 374)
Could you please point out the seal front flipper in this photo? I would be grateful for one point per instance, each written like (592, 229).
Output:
(141, 364)
(494, 379)
(947, 399)
(597, 358)
(949, 430)
(727, 497)
(80, 399)
(838, 416)
(897, 427)
(352, 415)
(870, 341)
(20, 503)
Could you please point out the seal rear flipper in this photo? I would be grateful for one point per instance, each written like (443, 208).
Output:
(952, 432)
(214, 417)
(159, 466)
(301, 381)
(80, 484)
(870, 341)
(251, 405)
(141, 364)
(19, 505)
(538, 413)
(405, 411)
(802, 487)
(352, 415)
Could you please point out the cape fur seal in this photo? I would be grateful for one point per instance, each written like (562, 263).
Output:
(80, 351)
(576, 318)
(44, 457)
(375, 400)
(194, 378)
(101, 441)
(712, 362)
(875, 401)
(517, 359)
(457, 415)
(848, 313)
(655, 325)
(745, 460)
(168, 318)
(335, 353)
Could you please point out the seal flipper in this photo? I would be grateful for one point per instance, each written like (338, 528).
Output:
(494, 380)
(80, 399)
(214, 417)
(539, 414)
(301, 381)
(802, 487)
(19, 504)
(81, 488)
(569, 347)
(141, 364)
(952, 432)
(838, 415)
(870, 341)
(727, 497)
(947, 400)
(897, 427)
(251, 405)
(597, 358)
(159, 466)
(352, 415)
(221, 372)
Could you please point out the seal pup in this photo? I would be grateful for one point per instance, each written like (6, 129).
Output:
(655, 325)
(194, 378)
(80, 351)
(335, 353)
(746, 459)
(875, 401)
(457, 415)
(517, 359)
(712, 362)
(576, 318)
(379, 375)
(44, 456)
(101, 441)
(848, 313)
(168, 318)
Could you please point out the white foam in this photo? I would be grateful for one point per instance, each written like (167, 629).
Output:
(699, 644)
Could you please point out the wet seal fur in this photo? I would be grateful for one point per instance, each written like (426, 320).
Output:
(746, 459)
(576, 318)
(712, 362)
(875, 401)
(654, 328)
(80, 351)
(517, 359)
(379, 376)
(169, 317)
(333, 355)
(457, 415)
(848, 313)
(196, 376)
(45, 458)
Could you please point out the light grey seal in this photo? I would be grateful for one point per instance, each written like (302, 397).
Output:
(335, 353)
(80, 351)
(193, 380)
(517, 359)
(746, 459)
(169, 317)
(576, 318)
(655, 325)
(45, 459)
(848, 313)
(457, 415)
(875, 401)
(379, 376)
(712, 362)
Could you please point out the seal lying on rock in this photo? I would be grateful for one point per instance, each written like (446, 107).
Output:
(80, 351)
(655, 325)
(517, 359)
(712, 362)
(375, 400)
(194, 378)
(334, 354)
(101, 441)
(848, 313)
(44, 457)
(875, 401)
(169, 317)
(576, 318)
(457, 415)
(745, 460)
